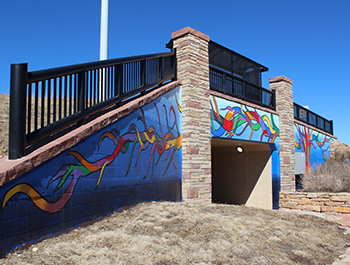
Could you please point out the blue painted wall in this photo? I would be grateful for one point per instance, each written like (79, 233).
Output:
(138, 158)
(231, 120)
(315, 146)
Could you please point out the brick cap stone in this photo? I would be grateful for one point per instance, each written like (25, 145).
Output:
(188, 30)
(280, 78)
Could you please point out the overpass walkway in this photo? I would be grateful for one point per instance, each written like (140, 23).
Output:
(190, 124)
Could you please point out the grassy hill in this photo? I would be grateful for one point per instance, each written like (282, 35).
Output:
(166, 233)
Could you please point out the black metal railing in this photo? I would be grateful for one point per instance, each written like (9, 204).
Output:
(237, 87)
(44, 102)
(305, 115)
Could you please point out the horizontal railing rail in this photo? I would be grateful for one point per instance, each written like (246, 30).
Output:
(44, 102)
(309, 117)
(234, 86)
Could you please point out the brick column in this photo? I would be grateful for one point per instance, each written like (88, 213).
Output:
(193, 72)
(284, 106)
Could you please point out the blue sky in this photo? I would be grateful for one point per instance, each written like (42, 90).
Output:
(308, 41)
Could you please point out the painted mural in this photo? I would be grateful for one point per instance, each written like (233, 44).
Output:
(138, 158)
(315, 146)
(231, 120)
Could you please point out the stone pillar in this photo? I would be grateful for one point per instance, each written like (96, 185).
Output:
(284, 106)
(193, 72)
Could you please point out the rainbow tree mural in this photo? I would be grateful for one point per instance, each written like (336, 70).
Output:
(315, 146)
(231, 120)
(138, 158)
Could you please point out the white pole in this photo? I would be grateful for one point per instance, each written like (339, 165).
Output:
(104, 30)
(103, 47)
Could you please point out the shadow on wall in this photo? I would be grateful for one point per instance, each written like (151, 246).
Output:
(241, 178)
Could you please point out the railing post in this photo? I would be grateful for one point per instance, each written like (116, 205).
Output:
(81, 95)
(161, 72)
(143, 72)
(143, 75)
(18, 97)
(331, 123)
(243, 90)
(174, 64)
(119, 81)
(273, 100)
(223, 84)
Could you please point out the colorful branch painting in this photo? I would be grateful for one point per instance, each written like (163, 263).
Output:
(305, 139)
(236, 120)
(165, 144)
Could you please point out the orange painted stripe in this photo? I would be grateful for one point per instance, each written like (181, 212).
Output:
(84, 162)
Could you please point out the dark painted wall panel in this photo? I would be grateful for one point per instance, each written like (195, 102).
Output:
(138, 158)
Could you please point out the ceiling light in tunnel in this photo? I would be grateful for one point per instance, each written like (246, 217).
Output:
(239, 149)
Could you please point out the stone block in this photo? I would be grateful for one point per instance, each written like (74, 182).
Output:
(331, 203)
(195, 166)
(186, 175)
(340, 198)
(192, 193)
(323, 195)
(207, 170)
(289, 205)
(305, 201)
(342, 209)
(192, 149)
(326, 208)
(312, 208)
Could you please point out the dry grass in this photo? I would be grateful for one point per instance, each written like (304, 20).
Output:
(339, 151)
(197, 233)
(4, 123)
(342, 155)
(4, 118)
(332, 176)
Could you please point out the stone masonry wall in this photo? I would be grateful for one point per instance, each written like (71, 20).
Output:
(284, 106)
(323, 202)
(193, 72)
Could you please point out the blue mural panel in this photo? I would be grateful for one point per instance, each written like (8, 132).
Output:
(315, 146)
(231, 120)
(137, 158)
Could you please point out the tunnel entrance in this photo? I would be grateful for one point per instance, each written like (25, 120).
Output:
(241, 178)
